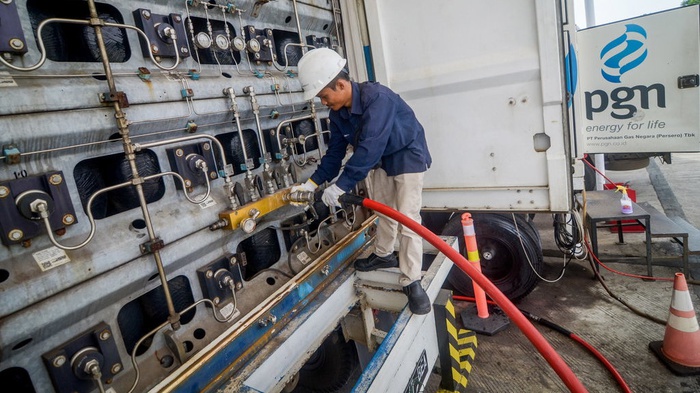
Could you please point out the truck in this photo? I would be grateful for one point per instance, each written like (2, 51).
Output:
(150, 241)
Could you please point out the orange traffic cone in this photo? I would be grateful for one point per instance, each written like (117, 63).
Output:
(680, 349)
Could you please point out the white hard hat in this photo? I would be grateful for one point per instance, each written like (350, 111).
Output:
(317, 68)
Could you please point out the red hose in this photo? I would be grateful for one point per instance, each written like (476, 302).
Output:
(616, 374)
(620, 381)
(546, 350)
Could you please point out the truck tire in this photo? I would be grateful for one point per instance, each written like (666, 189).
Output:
(329, 369)
(504, 260)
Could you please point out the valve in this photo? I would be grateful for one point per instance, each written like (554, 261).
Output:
(249, 224)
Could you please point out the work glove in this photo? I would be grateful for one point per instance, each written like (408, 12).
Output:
(309, 185)
(331, 194)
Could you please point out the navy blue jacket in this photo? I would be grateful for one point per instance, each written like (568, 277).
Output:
(383, 131)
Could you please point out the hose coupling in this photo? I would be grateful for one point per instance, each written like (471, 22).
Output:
(300, 197)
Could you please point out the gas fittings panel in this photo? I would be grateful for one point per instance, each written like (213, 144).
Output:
(195, 163)
(27, 201)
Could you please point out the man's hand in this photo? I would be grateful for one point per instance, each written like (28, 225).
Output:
(309, 185)
(331, 194)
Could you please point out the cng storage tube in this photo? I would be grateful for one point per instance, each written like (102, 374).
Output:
(543, 347)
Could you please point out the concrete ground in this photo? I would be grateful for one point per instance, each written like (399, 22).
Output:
(507, 361)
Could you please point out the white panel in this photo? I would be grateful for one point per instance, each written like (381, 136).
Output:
(668, 48)
(483, 78)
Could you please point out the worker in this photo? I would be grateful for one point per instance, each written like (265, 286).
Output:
(385, 136)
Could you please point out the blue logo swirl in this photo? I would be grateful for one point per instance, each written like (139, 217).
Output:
(624, 53)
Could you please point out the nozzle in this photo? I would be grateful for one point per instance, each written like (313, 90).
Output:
(300, 197)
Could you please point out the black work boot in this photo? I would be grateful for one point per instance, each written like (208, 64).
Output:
(374, 262)
(418, 300)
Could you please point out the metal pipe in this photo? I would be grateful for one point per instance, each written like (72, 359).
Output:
(40, 41)
(319, 133)
(296, 17)
(266, 158)
(231, 286)
(283, 122)
(228, 170)
(237, 117)
(137, 180)
(96, 23)
(248, 163)
(250, 90)
(286, 59)
(45, 217)
(335, 22)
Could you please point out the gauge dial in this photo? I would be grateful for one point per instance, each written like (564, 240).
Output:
(254, 45)
(202, 40)
(238, 43)
(222, 42)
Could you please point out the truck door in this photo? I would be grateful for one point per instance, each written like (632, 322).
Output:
(486, 80)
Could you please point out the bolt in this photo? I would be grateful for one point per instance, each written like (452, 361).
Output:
(16, 43)
(210, 274)
(68, 219)
(116, 367)
(177, 18)
(239, 286)
(184, 50)
(4, 191)
(233, 260)
(92, 367)
(487, 255)
(179, 152)
(217, 300)
(105, 335)
(146, 14)
(212, 175)
(257, 55)
(59, 361)
(154, 48)
(326, 270)
(15, 235)
(56, 179)
(188, 183)
(252, 29)
(206, 146)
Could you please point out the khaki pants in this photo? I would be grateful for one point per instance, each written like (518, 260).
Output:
(402, 193)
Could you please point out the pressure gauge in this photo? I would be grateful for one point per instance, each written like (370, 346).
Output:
(202, 40)
(222, 42)
(238, 43)
(253, 45)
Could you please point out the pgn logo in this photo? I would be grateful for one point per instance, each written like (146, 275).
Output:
(624, 53)
(620, 56)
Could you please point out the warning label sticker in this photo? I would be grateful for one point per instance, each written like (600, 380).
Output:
(50, 258)
(6, 80)
(209, 202)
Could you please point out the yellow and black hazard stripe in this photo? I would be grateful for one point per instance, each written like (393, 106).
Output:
(457, 347)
